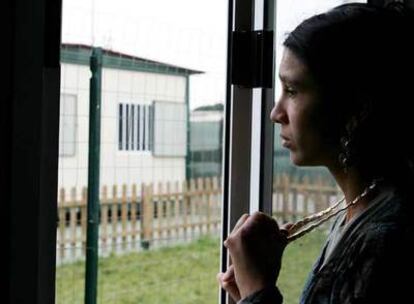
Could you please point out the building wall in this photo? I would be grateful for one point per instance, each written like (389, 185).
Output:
(118, 167)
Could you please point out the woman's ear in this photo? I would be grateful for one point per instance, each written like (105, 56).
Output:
(366, 110)
(360, 117)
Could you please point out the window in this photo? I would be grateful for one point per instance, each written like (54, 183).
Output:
(170, 129)
(67, 127)
(135, 123)
(155, 220)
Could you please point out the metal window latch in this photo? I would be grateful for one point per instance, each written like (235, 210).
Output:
(252, 59)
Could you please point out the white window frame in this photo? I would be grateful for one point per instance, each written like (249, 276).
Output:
(248, 143)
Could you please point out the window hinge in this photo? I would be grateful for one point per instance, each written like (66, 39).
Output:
(252, 59)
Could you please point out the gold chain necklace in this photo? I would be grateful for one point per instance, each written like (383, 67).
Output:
(309, 223)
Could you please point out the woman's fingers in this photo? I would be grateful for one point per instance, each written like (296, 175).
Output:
(229, 274)
(232, 290)
(240, 223)
(228, 283)
(286, 226)
(236, 228)
(255, 246)
(284, 229)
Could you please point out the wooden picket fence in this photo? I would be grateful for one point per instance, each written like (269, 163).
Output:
(294, 199)
(136, 217)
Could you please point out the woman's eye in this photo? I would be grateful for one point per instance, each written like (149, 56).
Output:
(290, 91)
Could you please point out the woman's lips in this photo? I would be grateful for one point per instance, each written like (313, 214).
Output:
(285, 141)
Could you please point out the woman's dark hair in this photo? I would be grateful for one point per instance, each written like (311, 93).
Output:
(363, 61)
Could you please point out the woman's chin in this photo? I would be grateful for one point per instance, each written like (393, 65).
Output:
(298, 160)
(301, 161)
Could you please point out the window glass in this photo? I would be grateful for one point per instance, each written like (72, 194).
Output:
(162, 93)
(170, 129)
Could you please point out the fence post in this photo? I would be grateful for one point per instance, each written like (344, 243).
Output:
(168, 208)
(133, 216)
(124, 216)
(294, 185)
(159, 211)
(114, 217)
(200, 204)
(319, 184)
(305, 195)
(177, 209)
(83, 218)
(217, 202)
(73, 221)
(91, 265)
(285, 199)
(62, 223)
(209, 202)
(339, 192)
(192, 200)
(147, 216)
(185, 200)
(104, 217)
(274, 195)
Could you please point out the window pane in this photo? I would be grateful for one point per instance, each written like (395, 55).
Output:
(163, 84)
(170, 129)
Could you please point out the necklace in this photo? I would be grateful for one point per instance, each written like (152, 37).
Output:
(307, 224)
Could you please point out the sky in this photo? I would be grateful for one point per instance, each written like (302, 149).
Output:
(187, 33)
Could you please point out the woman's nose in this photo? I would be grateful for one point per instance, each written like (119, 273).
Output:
(277, 115)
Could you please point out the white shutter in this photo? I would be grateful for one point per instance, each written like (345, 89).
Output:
(67, 126)
(170, 129)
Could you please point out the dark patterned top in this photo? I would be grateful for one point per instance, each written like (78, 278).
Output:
(372, 263)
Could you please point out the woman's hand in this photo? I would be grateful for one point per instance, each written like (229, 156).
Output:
(228, 283)
(256, 246)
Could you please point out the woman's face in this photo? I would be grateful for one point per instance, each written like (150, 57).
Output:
(297, 113)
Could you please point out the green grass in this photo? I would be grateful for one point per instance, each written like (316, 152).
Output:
(297, 261)
(180, 274)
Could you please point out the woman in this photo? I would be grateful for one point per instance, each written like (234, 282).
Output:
(345, 105)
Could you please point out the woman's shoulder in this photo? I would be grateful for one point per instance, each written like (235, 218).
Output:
(386, 223)
(391, 224)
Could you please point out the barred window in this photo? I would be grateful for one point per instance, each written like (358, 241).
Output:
(135, 123)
